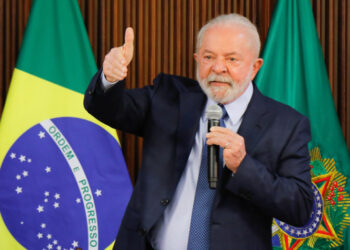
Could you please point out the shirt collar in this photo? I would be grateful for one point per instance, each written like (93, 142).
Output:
(235, 109)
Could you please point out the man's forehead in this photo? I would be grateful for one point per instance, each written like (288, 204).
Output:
(227, 29)
(230, 38)
(229, 34)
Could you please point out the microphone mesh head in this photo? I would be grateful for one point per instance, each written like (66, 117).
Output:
(214, 112)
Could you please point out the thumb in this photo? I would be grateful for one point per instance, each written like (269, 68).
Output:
(128, 47)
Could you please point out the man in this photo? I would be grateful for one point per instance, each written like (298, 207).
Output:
(264, 143)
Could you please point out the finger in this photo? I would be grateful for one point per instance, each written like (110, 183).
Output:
(120, 57)
(114, 65)
(128, 47)
(221, 130)
(129, 36)
(114, 77)
(119, 72)
(116, 55)
(121, 76)
(117, 65)
(214, 133)
(110, 77)
(114, 59)
(228, 135)
(220, 141)
(111, 71)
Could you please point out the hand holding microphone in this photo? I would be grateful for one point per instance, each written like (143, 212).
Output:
(232, 143)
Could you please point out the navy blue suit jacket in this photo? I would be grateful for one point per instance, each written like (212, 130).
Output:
(272, 181)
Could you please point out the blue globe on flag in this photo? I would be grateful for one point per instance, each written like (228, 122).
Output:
(63, 185)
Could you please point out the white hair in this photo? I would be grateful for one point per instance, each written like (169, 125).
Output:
(231, 19)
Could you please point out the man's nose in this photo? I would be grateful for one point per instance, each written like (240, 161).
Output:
(219, 66)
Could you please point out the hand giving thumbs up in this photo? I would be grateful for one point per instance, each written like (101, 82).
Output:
(116, 61)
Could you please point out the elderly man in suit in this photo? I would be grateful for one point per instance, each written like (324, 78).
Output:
(265, 170)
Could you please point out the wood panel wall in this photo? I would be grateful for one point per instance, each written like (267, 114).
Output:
(165, 33)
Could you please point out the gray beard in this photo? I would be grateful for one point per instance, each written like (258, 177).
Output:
(232, 93)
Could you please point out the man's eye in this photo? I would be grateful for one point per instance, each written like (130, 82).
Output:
(232, 59)
(207, 57)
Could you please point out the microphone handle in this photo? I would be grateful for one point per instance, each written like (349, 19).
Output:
(213, 158)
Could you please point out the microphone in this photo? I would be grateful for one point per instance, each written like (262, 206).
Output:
(214, 114)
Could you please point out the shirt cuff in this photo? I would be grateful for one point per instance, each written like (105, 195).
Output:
(106, 84)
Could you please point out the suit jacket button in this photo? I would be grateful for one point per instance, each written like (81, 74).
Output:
(164, 202)
(142, 231)
(90, 92)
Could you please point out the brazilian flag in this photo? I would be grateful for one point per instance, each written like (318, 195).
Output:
(63, 179)
(294, 73)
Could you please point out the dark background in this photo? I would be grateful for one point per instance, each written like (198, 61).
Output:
(165, 39)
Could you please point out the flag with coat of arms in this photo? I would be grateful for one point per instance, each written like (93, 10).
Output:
(294, 73)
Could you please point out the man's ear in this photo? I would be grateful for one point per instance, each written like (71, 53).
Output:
(256, 66)
(195, 56)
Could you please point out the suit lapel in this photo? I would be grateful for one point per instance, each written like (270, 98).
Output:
(191, 109)
(254, 121)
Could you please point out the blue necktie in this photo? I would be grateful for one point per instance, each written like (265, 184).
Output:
(222, 124)
(200, 222)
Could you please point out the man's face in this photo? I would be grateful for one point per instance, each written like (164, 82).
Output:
(226, 62)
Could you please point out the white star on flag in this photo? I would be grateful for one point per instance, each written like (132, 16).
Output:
(78, 200)
(18, 177)
(48, 169)
(25, 173)
(98, 192)
(22, 222)
(22, 158)
(49, 236)
(43, 225)
(40, 235)
(49, 246)
(46, 193)
(18, 190)
(54, 242)
(13, 155)
(75, 244)
(57, 196)
(40, 209)
(56, 205)
(46, 200)
(29, 160)
(41, 134)
(59, 248)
